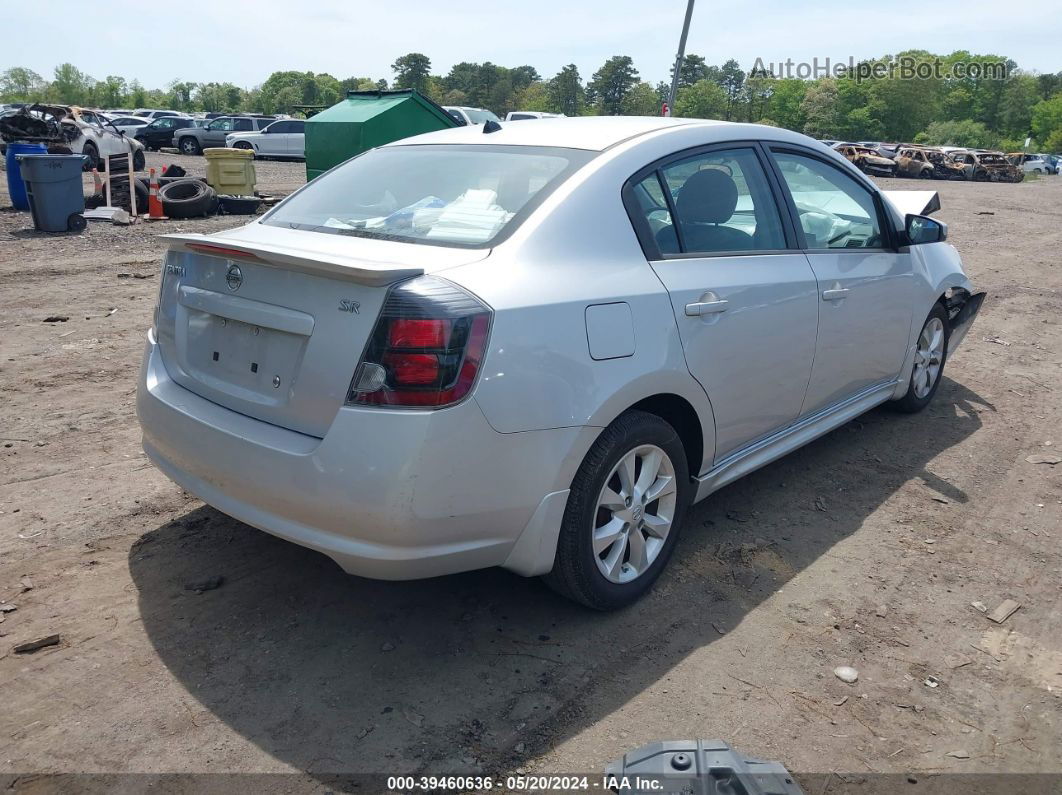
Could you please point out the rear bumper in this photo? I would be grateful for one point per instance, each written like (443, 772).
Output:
(386, 494)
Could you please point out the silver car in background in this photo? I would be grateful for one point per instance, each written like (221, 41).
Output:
(535, 347)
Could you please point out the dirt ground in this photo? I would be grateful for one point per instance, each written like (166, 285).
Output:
(865, 548)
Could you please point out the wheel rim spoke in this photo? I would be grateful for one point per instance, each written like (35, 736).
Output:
(639, 557)
(611, 499)
(650, 469)
(663, 486)
(657, 526)
(614, 560)
(606, 535)
(626, 474)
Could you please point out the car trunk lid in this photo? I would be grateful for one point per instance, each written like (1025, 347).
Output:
(272, 322)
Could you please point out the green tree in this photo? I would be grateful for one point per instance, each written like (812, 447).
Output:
(110, 92)
(705, 99)
(1046, 122)
(694, 69)
(958, 133)
(534, 96)
(412, 71)
(732, 81)
(820, 109)
(611, 84)
(785, 104)
(21, 84)
(70, 86)
(1020, 94)
(641, 100)
(566, 94)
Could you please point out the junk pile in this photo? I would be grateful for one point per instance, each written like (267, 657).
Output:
(39, 123)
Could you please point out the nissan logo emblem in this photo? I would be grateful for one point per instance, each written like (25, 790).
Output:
(234, 278)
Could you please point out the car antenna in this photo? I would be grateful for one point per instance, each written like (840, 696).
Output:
(490, 126)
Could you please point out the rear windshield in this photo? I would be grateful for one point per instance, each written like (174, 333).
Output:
(451, 195)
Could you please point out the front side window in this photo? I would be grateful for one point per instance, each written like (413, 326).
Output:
(456, 195)
(835, 210)
(722, 204)
(221, 125)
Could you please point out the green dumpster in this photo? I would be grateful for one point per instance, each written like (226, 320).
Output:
(366, 119)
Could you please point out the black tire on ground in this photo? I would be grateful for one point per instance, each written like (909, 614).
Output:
(92, 156)
(189, 146)
(912, 402)
(139, 160)
(242, 145)
(926, 173)
(187, 198)
(76, 222)
(575, 573)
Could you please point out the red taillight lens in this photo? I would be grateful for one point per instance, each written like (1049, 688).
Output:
(426, 349)
(418, 333)
(412, 369)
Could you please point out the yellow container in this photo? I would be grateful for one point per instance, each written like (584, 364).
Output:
(230, 171)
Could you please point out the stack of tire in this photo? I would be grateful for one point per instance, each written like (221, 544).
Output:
(188, 197)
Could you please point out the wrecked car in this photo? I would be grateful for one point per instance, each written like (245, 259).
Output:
(926, 163)
(868, 160)
(68, 129)
(981, 165)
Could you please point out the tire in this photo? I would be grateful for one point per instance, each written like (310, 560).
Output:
(139, 160)
(920, 391)
(242, 145)
(187, 198)
(76, 222)
(580, 568)
(92, 154)
(189, 146)
(926, 174)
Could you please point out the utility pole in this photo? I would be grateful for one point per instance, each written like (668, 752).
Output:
(679, 58)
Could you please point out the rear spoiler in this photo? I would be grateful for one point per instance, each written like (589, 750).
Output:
(374, 274)
(914, 202)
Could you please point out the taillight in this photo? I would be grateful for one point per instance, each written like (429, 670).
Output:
(426, 349)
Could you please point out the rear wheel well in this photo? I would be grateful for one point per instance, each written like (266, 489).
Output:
(681, 416)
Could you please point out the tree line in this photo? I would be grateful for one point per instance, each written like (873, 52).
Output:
(993, 112)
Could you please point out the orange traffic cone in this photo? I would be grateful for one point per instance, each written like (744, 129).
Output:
(154, 203)
(97, 183)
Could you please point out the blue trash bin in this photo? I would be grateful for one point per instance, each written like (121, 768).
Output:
(16, 187)
(53, 186)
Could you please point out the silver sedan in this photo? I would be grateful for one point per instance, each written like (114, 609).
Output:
(535, 345)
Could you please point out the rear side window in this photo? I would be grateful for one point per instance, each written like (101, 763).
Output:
(835, 210)
(451, 195)
(717, 202)
(243, 125)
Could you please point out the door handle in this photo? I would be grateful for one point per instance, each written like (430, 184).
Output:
(834, 295)
(706, 308)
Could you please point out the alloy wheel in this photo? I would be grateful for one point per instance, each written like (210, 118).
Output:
(928, 357)
(635, 512)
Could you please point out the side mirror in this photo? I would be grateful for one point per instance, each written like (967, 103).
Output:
(922, 229)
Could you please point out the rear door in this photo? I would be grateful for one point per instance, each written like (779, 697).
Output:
(865, 285)
(296, 138)
(743, 296)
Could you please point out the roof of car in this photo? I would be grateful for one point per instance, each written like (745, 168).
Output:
(584, 132)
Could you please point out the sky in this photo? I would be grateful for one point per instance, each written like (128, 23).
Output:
(242, 42)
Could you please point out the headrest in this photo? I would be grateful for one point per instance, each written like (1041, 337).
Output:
(709, 196)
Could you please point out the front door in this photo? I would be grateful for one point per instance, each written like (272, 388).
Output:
(865, 286)
(745, 302)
